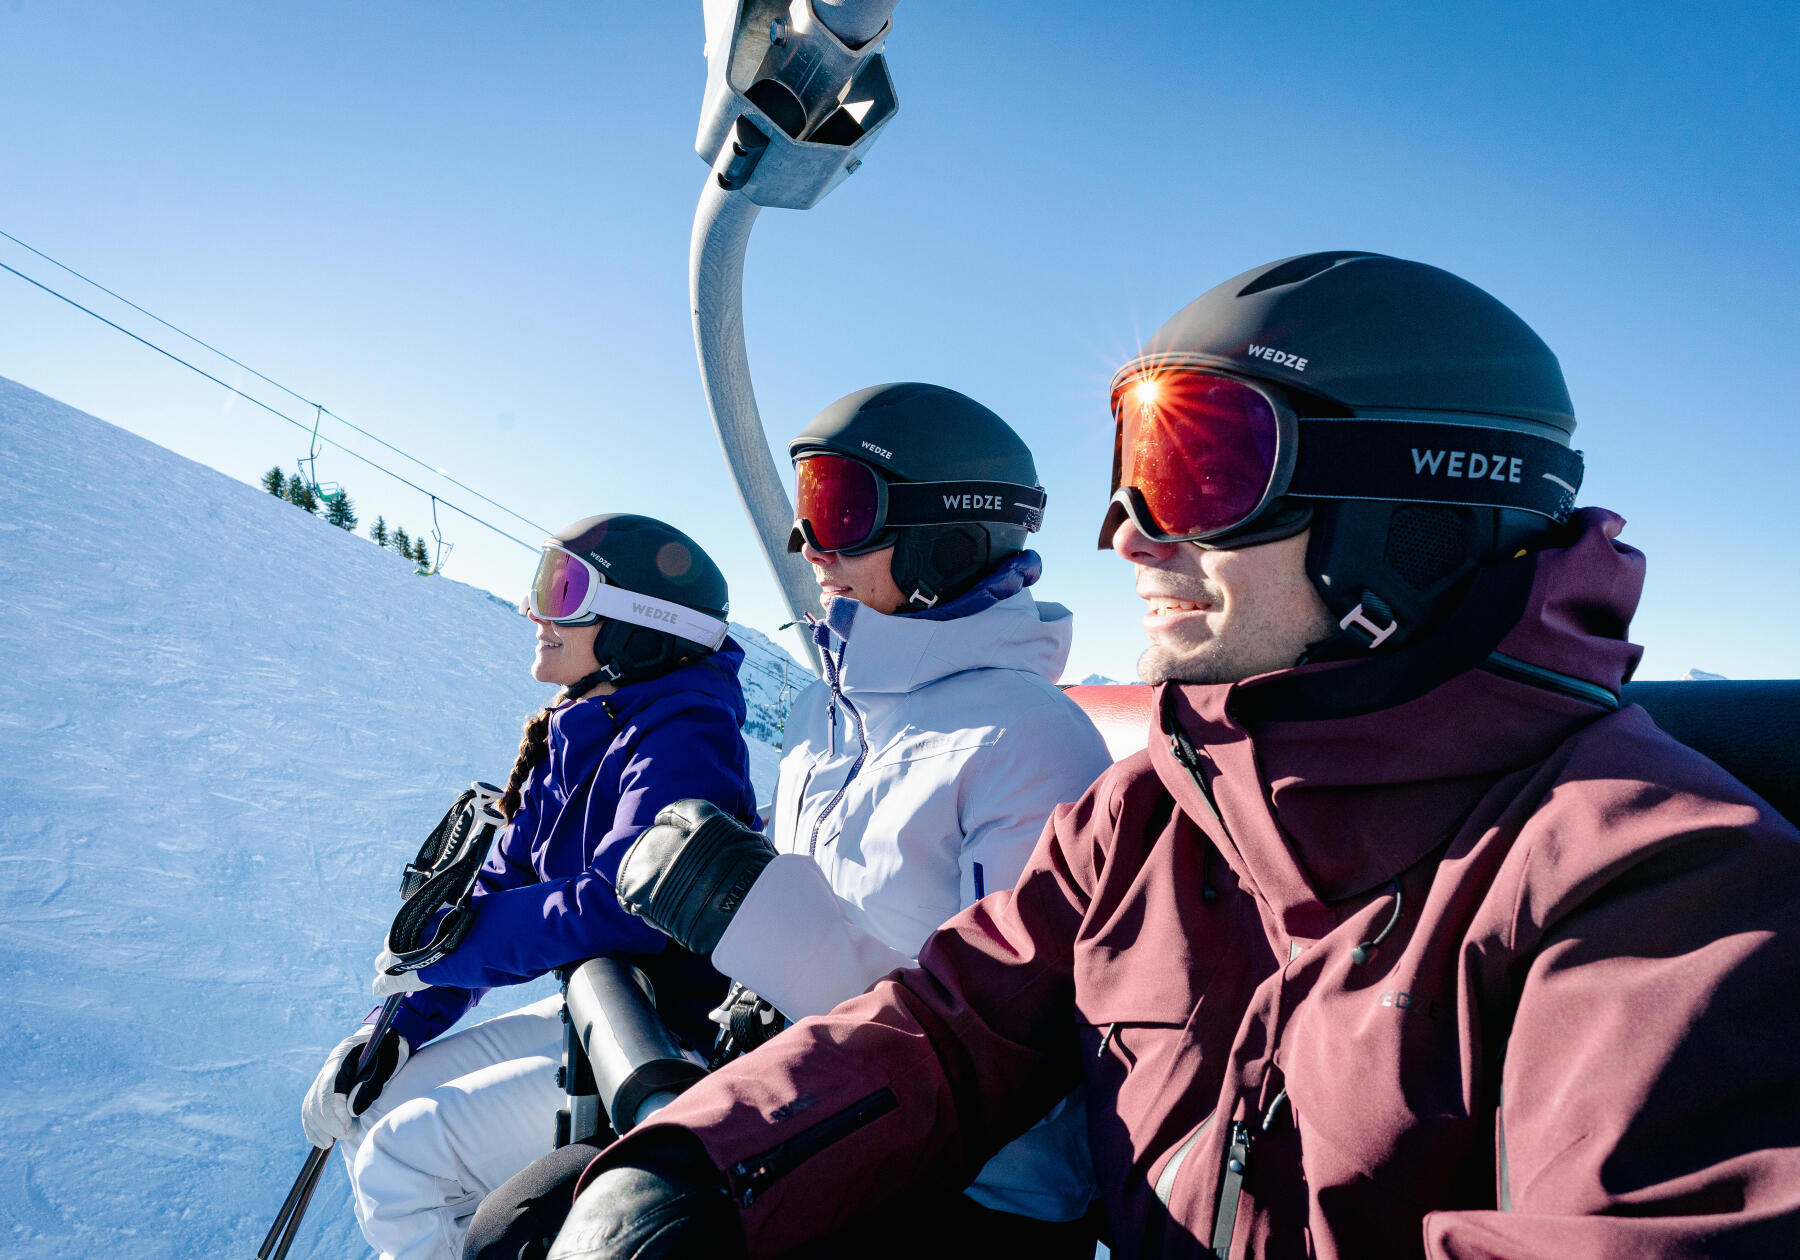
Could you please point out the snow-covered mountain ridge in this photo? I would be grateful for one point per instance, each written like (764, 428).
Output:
(224, 726)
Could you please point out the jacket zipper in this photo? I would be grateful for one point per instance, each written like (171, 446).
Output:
(1237, 1161)
(1187, 756)
(1549, 680)
(1165, 1181)
(759, 1172)
(1505, 1174)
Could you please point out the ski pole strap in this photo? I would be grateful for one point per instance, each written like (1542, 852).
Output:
(745, 1022)
(437, 850)
(438, 883)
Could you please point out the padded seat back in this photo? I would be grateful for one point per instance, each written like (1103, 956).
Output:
(1752, 729)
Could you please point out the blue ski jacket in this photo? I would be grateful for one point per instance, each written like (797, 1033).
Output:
(545, 897)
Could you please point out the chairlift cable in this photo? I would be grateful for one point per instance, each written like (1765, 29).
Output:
(765, 670)
(298, 424)
(318, 407)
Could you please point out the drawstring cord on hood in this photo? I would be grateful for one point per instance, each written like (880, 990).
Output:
(1361, 953)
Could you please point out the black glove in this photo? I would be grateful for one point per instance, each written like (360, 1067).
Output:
(328, 1113)
(660, 1198)
(689, 873)
(391, 1054)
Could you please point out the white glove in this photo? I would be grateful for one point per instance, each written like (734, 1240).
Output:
(387, 984)
(326, 1113)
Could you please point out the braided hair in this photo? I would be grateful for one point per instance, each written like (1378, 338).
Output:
(534, 746)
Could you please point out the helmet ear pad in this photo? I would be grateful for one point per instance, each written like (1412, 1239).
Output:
(633, 653)
(934, 563)
(1400, 564)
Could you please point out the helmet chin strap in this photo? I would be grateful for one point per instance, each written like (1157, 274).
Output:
(588, 681)
(1364, 629)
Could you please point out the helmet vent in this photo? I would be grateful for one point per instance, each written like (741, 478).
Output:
(1425, 545)
(1305, 267)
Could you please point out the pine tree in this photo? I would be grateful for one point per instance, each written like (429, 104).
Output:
(274, 482)
(401, 541)
(378, 532)
(301, 496)
(341, 512)
(421, 554)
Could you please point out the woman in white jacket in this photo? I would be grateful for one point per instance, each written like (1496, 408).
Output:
(917, 778)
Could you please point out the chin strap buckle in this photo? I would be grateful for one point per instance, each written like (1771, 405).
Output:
(920, 598)
(1377, 634)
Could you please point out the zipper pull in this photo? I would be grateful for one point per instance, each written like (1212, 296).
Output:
(1231, 1189)
(752, 1179)
(1104, 1041)
(1237, 1159)
(1188, 757)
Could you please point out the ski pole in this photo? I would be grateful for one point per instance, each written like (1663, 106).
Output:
(301, 1195)
(441, 877)
(301, 1191)
(293, 1208)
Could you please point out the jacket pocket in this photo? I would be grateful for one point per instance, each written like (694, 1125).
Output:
(1164, 1185)
(751, 1176)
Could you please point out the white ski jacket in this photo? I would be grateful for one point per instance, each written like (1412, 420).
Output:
(918, 785)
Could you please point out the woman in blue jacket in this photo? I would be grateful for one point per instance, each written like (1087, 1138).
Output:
(630, 618)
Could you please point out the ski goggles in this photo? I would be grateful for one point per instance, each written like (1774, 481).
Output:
(1199, 455)
(570, 590)
(843, 505)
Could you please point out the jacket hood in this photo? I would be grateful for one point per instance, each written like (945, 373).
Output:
(898, 654)
(1322, 796)
(581, 732)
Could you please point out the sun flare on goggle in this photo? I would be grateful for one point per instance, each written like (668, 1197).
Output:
(1142, 399)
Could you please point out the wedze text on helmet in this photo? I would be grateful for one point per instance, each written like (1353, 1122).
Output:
(1281, 357)
(1472, 465)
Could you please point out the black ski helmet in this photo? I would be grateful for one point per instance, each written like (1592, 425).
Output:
(1362, 336)
(912, 432)
(647, 557)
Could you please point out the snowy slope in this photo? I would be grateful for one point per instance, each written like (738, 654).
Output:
(224, 726)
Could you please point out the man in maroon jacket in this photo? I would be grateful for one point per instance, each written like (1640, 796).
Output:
(1402, 938)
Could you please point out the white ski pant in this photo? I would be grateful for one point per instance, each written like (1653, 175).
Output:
(464, 1114)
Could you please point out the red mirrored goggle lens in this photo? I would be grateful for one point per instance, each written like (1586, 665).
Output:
(838, 499)
(560, 585)
(1199, 448)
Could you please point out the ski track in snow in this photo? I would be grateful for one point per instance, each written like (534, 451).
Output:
(224, 727)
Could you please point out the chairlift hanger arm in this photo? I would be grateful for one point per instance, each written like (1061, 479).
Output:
(796, 91)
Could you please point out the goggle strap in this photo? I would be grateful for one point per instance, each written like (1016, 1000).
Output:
(956, 502)
(657, 614)
(606, 600)
(1422, 461)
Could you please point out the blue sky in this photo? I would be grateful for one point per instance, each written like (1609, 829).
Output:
(465, 227)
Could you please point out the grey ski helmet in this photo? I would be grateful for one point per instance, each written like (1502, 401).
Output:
(972, 497)
(1399, 381)
(645, 556)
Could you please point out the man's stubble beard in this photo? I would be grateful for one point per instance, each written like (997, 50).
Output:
(1204, 665)
(1243, 651)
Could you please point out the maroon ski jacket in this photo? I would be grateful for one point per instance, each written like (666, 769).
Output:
(1441, 953)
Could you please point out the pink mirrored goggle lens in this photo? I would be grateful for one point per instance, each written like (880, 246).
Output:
(560, 585)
